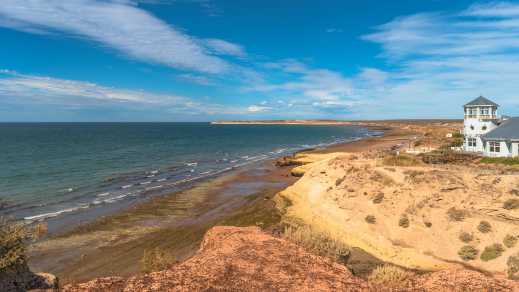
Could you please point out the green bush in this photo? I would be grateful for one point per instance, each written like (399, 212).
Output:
(500, 160)
(510, 241)
(468, 253)
(455, 214)
(466, 237)
(492, 252)
(13, 239)
(511, 204)
(513, 267)
(404, 221)
(371, 219)
(484, 227)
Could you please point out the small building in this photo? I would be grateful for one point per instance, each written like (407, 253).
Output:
(488, 134)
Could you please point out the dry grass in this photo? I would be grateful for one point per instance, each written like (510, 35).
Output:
(391, 277)
(13, 238)
(318, 243)
(156, 260)
(401, 160)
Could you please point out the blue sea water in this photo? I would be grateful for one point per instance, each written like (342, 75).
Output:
(48, 170)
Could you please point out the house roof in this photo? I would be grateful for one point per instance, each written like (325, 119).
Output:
(481, 101)
(508, 130)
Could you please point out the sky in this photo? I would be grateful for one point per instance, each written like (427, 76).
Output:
(205, 60)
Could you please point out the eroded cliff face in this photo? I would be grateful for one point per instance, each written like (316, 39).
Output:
(412, 216)
(247, 259)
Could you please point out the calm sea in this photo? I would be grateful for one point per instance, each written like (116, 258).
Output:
(48, 170)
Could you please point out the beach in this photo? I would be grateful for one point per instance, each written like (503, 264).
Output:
(114, 244)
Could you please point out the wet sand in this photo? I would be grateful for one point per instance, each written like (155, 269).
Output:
(114, 245)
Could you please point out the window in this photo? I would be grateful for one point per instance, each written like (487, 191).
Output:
(484, 128)
(484, 111)
(471, 142)
(494, 146)
(471, 127)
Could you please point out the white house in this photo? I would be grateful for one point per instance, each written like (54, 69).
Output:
(488, 134)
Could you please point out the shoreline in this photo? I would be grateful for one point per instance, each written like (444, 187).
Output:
(241, 197)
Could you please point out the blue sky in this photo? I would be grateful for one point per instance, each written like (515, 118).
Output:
(202, 60)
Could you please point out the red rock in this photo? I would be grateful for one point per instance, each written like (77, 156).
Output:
(246, 259)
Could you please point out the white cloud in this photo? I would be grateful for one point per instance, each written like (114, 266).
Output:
(37, 90)
(222, 47)
(258, 109)
(120, 25)
(443, 60)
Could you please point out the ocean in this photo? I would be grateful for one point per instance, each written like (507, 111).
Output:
(49, 170)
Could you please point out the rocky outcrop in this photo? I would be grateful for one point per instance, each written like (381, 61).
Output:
(246, 259)
(20, 278)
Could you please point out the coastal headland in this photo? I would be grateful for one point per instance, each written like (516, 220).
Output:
(401, 201)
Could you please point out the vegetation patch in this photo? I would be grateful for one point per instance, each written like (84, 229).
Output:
(511, 204)
(156, 260)
(318, 243)
(446, 156)
(403, 221)
(466, 237)
(378, 198)
(456, 214)
(401, 160)
(484, 227)
(371, 219)
(391, 277)
(492, 252)
(500, 160)
(510, 241)
(14, 237)
(468, 253)
(513, 267)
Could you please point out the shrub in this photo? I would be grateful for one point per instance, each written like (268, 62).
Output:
(513, 267)
(400, 160)
(466, 237)
(484, 227)
(404, 221)
(318, 243)
(378, 198)
(390, 276)
(457, 135)
(13, 238)
(500, 160)
(511, 204)
(428, 224)
(509, 241)
(156, 260)
(371, 219)
(468, 253)
(492, 252)
(455, 214)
